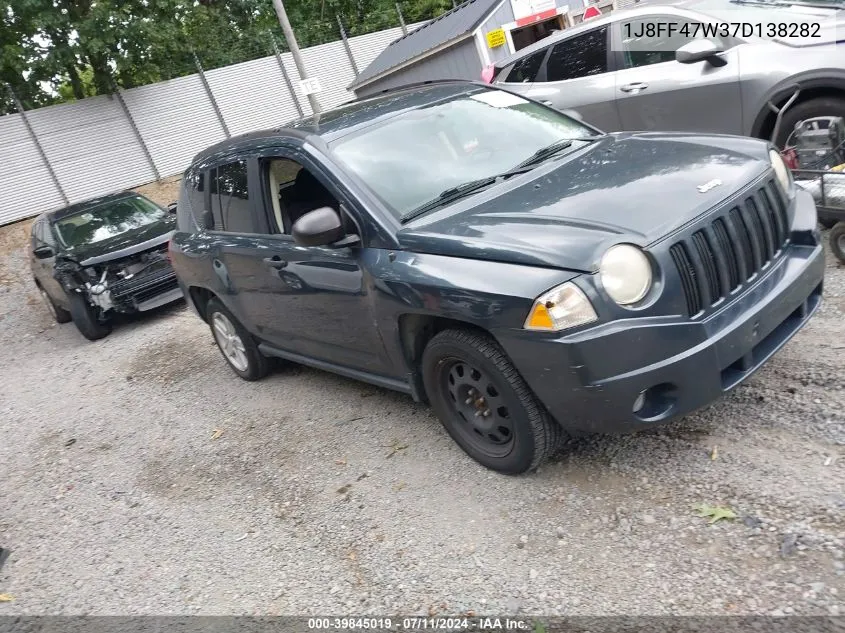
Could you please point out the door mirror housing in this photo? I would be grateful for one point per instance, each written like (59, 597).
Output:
(43, 252)
(699, 50)
(319, 227)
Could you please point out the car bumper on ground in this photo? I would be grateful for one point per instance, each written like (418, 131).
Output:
(586, 380)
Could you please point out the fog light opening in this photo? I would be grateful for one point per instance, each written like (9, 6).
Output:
(655, 402)
(639, 403)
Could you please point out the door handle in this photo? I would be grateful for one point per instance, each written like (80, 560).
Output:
(634, 87)
(548, 103)
(275, 262)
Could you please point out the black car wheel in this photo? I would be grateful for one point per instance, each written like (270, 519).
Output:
(821, 106)
(86, 318)
(57, 312)
(485, 404)
(837, 241)
(235, 343)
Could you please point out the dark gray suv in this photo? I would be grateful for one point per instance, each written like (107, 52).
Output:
(524, 273)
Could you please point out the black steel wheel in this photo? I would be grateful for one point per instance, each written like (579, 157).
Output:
(484, 403)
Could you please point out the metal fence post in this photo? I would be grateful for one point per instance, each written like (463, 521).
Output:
(135, 129)
(286, 76)
(211, 96)
(37, 144)
(401, 19)
(347, 46)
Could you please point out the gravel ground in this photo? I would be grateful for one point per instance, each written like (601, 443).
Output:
(141, 476)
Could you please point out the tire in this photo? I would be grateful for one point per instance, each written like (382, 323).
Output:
(821, 106)
(57, 312)
(86, 319)
(459, 365)
(236, 344)
(837, 241)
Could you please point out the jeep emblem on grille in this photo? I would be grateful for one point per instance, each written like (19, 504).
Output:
(707, 186)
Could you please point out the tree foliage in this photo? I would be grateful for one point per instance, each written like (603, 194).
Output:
(58, 50)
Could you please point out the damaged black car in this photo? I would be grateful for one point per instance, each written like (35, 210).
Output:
(104, 256)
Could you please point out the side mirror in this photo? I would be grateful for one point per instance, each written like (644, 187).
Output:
(697, 51)
(319, 227)
(171, 208)
(207, 220)
(43, 252)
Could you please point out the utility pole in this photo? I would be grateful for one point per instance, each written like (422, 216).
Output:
(294, 49)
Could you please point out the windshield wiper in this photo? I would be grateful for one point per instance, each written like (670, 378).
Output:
(558, 146)
(462, 191)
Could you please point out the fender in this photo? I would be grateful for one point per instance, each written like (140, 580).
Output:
(824, 78)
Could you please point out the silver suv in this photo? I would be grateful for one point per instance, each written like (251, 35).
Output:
(619, 73)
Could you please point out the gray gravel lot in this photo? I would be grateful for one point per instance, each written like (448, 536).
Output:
(321, 495)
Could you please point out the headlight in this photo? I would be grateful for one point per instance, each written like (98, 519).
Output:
(781, 171)
(625, 274)
(562, 307)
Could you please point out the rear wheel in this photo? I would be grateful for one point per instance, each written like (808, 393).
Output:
(485, 405)
(837, 241)
(87, 319)
(821, 106)
(235, 343)
(57, 312)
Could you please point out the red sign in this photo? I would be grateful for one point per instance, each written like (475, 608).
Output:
(591, 12)
(537, 17)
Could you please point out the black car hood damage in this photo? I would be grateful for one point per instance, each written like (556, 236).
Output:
(123, 245)
(629, 187)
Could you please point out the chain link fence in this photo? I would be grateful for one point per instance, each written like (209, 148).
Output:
(67, 152)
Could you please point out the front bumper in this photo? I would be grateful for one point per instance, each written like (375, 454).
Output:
(590, 380)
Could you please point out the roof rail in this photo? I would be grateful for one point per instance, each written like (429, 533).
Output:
(427, 82)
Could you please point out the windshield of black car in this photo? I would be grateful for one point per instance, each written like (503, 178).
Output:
(107, 220)
(415, 156)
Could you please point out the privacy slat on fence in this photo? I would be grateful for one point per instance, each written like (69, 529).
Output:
(93, 149)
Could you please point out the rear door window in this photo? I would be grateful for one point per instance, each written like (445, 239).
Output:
(580, 56)
(230, 199)
(525, 70)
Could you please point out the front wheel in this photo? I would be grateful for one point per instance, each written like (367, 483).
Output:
(485, 405)
(235, 343)
(86, 318)
(818, 107)
(837, 241)
(59, 314)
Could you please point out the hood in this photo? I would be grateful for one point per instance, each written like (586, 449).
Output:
(125, 244)
(634, 188)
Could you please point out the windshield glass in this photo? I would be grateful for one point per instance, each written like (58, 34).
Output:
(415, 156)
(107, 220)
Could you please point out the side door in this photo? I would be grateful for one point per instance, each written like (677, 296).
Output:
(578, 74)
(655, 92)
(43, 268)
(313, 301)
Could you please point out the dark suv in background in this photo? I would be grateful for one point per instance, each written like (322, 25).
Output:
(524, 273)
(103, 256)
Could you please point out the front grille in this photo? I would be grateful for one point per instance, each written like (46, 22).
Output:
(717, 258)
(145, 286)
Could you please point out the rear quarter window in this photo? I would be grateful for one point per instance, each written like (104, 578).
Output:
(525, 70)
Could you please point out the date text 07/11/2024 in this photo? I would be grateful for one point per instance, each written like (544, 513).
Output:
(409, 624)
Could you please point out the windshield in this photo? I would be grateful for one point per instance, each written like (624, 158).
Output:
(107, 220)
(415, 156)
